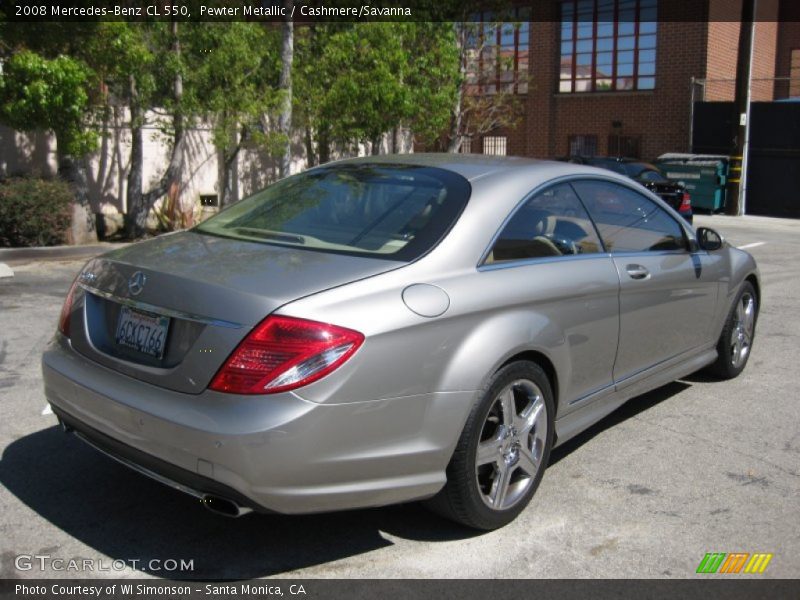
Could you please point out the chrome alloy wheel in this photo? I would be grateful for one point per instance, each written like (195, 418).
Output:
(742, 333)
(512, 444)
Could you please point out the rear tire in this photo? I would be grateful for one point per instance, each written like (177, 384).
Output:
(736, 340)
(503, 450)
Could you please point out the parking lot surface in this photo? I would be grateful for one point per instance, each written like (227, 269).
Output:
(697, 466)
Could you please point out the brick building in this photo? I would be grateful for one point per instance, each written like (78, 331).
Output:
(619, 76)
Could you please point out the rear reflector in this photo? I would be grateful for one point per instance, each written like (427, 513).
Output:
(285, 353)
(66, 310)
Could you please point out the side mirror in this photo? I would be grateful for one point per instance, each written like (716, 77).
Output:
(708, 239)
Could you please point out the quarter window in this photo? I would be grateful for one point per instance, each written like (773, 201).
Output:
(627, 220)
(552, 223)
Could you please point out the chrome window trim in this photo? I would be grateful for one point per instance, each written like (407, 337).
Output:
(540, 188)
(638, 188)
(159, 310)
(524, 262)
(629, 184)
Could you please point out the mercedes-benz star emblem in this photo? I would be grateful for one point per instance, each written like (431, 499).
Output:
(136, 283)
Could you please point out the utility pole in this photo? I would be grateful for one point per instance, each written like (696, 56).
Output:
(734, 203)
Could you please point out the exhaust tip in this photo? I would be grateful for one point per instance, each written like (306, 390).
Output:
(223, 506)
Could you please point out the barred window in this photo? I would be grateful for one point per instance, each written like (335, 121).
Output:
(583, 145)
(608, 45)
(495, 145)
(624, 145)
(497, 53)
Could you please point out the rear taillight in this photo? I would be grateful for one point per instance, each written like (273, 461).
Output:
(285, 353)
(66, 310)
(686, 203)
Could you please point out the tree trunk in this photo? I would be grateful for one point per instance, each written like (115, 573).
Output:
(139, 202)
(457, 118)
(135, 215)
(285, 86)
(311, 156)
(73, 170)
(376, 146)
(228, 157)
(324, 147)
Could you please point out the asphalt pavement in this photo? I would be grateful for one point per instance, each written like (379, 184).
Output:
(697, 466)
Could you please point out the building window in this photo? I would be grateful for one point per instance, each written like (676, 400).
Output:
(608, 45)
(497, 53)
(466, 144)
(494, 145)
(623, 146)
(794, 74)
(583, 145)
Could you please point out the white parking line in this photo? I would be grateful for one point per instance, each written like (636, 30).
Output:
(753, 245)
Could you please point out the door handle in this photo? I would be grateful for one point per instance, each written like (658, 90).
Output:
(637, 272)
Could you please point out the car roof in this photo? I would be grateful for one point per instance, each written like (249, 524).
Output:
(469, 166)
(474, 167)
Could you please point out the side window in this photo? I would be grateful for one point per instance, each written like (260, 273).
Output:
(552, 223)
(628, 221)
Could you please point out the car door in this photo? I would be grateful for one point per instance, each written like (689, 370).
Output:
(667, 291)
(550, 265)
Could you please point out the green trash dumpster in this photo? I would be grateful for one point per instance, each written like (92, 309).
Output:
(704, 175)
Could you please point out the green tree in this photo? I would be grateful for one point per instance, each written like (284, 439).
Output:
(231, 81)
(476, 114)
(432, 80)
(355, 83)
(38, 93)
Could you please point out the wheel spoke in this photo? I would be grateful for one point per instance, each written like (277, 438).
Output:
(500, 486)
(507, 406)
(539, 437)
(736, 350)
(488, 452)
(749, 318)
(530, 416)
(527, 462)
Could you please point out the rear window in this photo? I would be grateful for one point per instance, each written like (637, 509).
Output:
(395, 212)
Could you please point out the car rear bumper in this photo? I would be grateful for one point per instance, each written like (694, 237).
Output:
(275, 453)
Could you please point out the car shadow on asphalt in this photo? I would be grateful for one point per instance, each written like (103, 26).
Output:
(631, 408)
(127, 517)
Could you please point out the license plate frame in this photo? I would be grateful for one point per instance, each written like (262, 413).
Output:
(144, 332)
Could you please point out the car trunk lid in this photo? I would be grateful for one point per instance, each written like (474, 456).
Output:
(203, 293)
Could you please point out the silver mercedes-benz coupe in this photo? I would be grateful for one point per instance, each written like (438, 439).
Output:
(395, 328)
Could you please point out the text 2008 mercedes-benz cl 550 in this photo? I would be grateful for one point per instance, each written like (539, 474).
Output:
(395, 328)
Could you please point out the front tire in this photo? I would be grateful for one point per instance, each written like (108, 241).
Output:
(503, 450)
(736, 340)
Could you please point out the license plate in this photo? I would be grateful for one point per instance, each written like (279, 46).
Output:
(142, 331)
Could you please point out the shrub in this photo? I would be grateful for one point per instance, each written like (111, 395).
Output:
(34, 212)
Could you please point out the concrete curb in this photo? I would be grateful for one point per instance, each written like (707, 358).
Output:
(5, 271)
(18, 256)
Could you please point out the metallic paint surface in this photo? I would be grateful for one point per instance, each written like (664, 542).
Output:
(381, 428)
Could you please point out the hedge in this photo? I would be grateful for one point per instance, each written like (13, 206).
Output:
(34, 212)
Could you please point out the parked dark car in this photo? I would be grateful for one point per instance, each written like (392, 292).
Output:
(672, 192)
